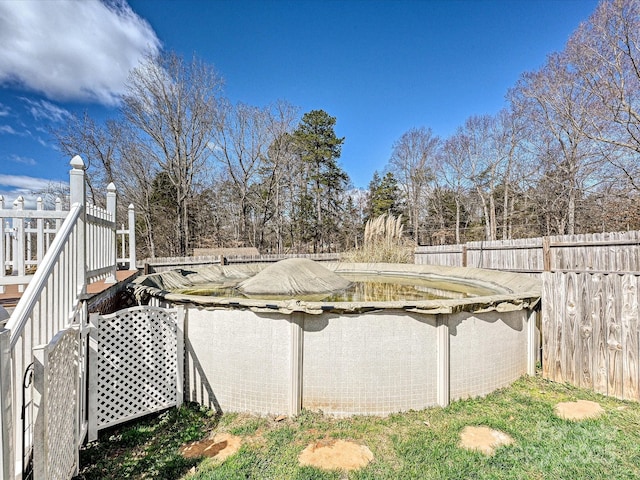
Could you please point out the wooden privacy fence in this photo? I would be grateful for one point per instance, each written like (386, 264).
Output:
(596, 252)
(590, 332)
(157, 265)
(590, 290)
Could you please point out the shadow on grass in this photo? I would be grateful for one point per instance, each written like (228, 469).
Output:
(147, 447)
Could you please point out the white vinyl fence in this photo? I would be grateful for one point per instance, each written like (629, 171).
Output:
(135, 365)
(57, 385)
(25, 236)
(82, 251)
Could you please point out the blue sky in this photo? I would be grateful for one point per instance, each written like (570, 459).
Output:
(380, 67)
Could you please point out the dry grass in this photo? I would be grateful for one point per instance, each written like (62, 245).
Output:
(384, 242)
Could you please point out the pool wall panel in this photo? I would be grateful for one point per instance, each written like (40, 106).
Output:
(373, 363)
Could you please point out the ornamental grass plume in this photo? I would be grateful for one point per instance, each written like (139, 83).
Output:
(384, 242)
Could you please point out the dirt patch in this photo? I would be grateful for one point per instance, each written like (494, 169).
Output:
(222, 446)
(483, 439)
(579, 410)
(334, 454)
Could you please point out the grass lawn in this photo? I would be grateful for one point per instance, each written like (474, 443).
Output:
(412, 445)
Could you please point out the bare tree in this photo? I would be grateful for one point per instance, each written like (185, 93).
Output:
(451, 174)
(253, 147)
(509, 139)
(97, 145)
(276, 174)
(605, 55)
(555, 105)
(482, 162)
(240, 144)
(412, 162)
(172, 106)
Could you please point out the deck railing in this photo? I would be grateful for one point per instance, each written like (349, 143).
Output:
(83, 250)
(25, 236)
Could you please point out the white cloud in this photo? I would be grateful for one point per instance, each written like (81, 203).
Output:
(25, 183)
(30, 188)
(23, 160)
(4, 110)
(8, 129)
(41, 109)
(71, 49)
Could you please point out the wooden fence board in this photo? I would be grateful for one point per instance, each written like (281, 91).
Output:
(600, 380)
(546, 325)
(612, 310)
(559, 296)
(602, 252)
(585, 335)
(570, 334)
(629, 324)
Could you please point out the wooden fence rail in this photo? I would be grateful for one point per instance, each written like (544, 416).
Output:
(162, 264)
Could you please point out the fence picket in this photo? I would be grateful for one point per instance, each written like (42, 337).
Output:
(629, 336)
(559, 296)
(547, 327)
(585, 335)
(570, 334)
(613, 339)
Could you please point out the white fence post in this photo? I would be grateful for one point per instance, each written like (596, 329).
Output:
(18, 242)
(40, 234)
(180, 317)
(296, 366)
(112, 243)
(58, 209)
(92, 370)
(77, 191)
(6, 412)
(132, 237)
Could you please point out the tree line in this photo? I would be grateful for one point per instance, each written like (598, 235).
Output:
(560, 158)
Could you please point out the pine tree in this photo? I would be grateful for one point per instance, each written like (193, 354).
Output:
(319, 149)
(384, 196)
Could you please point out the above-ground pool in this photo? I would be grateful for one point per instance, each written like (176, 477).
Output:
(278, 355)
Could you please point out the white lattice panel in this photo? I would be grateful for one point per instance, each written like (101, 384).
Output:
(56, 446)
(137, 364)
